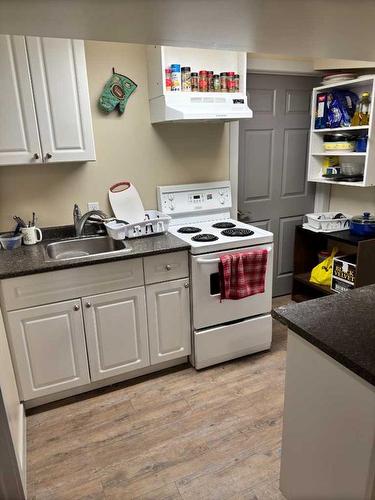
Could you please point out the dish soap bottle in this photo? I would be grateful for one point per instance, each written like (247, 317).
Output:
(361, 115)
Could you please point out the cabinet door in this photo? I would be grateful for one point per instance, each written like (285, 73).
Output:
(14, 412)
(19, 137)
(168, 313)
(58, 70)
(48, 348)
(116, 332)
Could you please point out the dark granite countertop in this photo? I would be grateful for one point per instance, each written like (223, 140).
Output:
(31, 259)
(342, 326)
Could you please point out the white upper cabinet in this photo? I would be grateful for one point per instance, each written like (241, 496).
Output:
(58, 71)
(19, 136)
(45, 111)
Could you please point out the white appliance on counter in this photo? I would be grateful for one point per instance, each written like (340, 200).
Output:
(231, 328)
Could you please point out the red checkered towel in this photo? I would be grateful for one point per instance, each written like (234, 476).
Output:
(242, 274)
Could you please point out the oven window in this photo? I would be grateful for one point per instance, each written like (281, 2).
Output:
(214, 284)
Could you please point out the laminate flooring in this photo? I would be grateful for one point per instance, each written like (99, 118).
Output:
(179, 434)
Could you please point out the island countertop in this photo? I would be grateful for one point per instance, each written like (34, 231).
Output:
(342, 326)
(32, 259)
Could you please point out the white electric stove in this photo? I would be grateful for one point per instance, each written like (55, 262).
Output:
(231, 328)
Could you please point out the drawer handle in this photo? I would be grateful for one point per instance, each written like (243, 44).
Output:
(36, 156)
(186, 285)
(88, 304)
(76, 307)
(48, 156)
(168, 267)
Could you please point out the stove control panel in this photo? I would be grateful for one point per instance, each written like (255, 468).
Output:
(194, 197)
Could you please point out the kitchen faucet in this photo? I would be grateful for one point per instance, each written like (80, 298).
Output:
(80, 220)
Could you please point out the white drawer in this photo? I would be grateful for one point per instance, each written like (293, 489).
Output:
(55, 286)
(165, 267)
(225, 342)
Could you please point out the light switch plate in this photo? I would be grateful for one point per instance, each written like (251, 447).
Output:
(93, 205)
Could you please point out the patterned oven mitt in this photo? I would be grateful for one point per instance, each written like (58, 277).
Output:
(116, 92)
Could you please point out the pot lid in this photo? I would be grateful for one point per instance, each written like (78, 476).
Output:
(366, 218)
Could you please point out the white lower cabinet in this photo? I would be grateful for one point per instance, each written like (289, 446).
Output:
(168, 313)
(67, 344)
(49, 349)
(116, 332)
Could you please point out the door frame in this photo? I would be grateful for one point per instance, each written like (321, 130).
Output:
(322, 192)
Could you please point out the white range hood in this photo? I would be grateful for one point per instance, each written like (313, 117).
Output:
(174, 107)
(168, 106)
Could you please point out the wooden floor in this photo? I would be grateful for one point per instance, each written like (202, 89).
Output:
(213, 434)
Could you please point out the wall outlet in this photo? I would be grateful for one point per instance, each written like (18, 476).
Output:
(93, 205)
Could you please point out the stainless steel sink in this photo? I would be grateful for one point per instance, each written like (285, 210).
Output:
(82, 247)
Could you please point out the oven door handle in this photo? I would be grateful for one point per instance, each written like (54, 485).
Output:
(201, 260)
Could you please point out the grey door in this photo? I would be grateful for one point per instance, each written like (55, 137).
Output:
(273, 192)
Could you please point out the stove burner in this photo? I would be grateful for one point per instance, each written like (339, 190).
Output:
(189, 229)
(204, 237)
(237, 231)
(224, 225)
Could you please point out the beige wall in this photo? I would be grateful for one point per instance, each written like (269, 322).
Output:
(127, 147)
(353, 200)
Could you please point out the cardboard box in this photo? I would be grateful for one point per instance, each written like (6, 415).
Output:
(344, 271)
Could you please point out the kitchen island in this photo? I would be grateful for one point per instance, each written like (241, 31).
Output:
(328, 448)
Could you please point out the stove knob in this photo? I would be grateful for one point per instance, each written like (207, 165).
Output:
(222, 201)
(170, 196)
(171, 206)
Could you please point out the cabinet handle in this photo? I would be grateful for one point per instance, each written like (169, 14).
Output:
(186, 285)
(48, 156)
(168, 267)
(76, 307)
(88, 304)
(36, 156)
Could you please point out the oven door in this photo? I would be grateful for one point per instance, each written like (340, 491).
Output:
(207, 308)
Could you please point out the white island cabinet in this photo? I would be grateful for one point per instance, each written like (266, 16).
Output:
(328, 446)
(77, 329)
(45, 114)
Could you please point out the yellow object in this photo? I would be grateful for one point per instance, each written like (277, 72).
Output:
(361, 115)
(322, 273)
(331, 161)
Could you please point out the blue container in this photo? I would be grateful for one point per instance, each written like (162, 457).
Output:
(363, 225)
(361, 144)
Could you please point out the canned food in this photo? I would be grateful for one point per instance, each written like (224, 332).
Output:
(203, 81)
(186, 79)
(223, 82)
(175, 77)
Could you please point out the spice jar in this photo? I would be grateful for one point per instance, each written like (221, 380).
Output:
(175, 77)
(186, 79)
(194, 82)
(168, 79)
(203, 81)
(210, 81)
(216, 83)
(223, 82)
(230, 82)
(237, 83)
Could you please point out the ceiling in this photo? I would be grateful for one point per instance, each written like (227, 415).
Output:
(311, 28)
